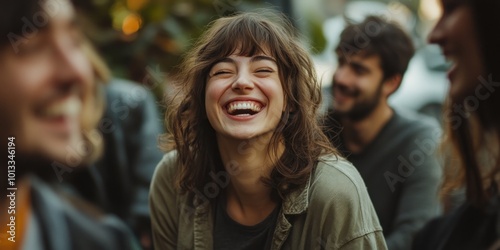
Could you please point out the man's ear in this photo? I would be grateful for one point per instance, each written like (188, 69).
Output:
(391, 84)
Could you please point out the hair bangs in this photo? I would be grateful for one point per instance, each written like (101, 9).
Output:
(244, 37)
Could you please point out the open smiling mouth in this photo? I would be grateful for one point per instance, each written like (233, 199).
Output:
(60, 114)
(243, 108)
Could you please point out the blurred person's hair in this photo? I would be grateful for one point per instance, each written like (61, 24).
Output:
(13, 16)
(94, 109)
(193, 137)
(375, 36)
(472, 147)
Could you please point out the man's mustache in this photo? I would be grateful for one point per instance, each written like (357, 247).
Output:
(344, 90)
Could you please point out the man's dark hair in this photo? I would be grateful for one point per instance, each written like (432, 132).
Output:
(376, 36)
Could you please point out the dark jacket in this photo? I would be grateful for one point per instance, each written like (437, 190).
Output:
(119, 181)
(62, 226)
(466, 227)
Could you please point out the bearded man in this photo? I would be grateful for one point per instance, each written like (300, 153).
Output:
(393, 150)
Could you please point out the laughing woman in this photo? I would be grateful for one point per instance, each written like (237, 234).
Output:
(50, 103)
(467, 33)
(249, 167)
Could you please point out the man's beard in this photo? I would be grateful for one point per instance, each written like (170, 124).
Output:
(362, 108)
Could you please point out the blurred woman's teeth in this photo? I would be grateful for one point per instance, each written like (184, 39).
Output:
(69, 107)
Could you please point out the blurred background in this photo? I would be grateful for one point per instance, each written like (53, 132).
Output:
(144, 40)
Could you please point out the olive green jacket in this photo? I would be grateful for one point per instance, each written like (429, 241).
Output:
(332, 211)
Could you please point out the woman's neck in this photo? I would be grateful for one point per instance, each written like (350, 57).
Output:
(249, 199)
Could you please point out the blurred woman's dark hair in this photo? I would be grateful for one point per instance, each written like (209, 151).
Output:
(13, 16)
(476, 139)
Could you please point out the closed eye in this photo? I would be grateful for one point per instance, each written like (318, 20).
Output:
(265, 71)
(360, 70)
(221, 72)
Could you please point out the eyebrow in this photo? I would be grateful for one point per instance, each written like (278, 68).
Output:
(252, 60)
(360, 66)
(261, 58)
(353, 64)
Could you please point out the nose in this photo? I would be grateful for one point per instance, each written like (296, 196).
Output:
(70, 62)
(343, 76)
(243, 83)
(436, 35)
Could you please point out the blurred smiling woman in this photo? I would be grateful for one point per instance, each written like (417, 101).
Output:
(467, 32)
(250, 168)
(48, 107)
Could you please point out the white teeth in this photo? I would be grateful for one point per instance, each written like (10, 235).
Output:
(69, 107)
(244, 105)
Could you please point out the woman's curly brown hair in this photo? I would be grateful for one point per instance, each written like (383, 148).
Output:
(298, 130)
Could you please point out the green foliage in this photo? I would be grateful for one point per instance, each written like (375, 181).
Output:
(317, 39)
(136, 35)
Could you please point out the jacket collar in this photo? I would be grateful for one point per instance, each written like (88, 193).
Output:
(297, 201)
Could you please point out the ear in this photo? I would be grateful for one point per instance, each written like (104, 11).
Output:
(391, 84)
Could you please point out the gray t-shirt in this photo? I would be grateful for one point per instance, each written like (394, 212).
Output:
(401, 173)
